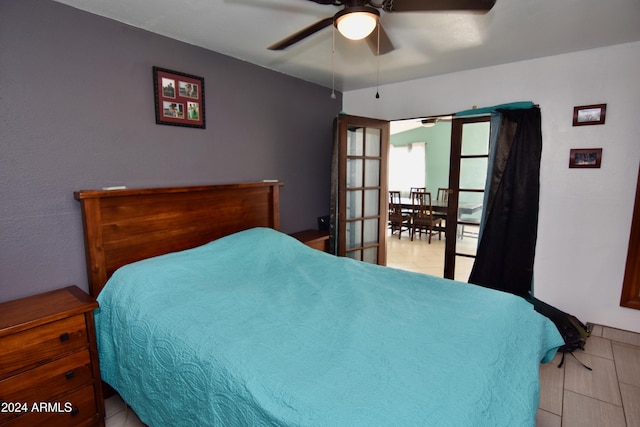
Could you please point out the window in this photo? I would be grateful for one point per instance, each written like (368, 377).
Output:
(407, 167)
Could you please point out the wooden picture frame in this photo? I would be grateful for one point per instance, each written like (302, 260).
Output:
(585, 157)
(585, 115)
(179, 98)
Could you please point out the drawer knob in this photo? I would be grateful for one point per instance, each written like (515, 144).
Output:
(69, 375)
(64, 337)
(75, 411)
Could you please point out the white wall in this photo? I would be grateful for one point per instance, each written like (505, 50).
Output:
(585, 214)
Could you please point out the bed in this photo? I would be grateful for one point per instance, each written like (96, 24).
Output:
(214, 317)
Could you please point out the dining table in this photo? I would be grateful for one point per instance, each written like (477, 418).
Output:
(441, 206)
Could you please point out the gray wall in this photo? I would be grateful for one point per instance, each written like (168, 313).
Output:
(76, 98)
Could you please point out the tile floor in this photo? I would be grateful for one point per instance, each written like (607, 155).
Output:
(423, 257)
(607, 396)
(119, 414)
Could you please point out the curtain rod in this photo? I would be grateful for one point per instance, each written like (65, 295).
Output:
(522, 105)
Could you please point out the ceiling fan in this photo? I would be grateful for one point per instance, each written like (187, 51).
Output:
(359, 19)
(432, 121)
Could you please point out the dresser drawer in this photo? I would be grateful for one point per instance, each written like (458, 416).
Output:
(74, 409)
(35, 346)
(49, 368)
(47, 381)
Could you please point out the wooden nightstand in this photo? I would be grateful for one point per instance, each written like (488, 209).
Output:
(316, 239)
(49, 372)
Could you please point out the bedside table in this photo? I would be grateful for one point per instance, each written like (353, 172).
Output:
(49, 372)
(316, 239)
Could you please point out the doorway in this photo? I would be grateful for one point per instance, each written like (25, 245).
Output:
(455, 250)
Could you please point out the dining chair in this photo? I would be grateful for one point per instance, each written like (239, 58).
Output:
(443, 194)
(422, 218)
(409, 209)
(398, 220)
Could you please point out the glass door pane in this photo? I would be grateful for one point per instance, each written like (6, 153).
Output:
(374, 139)
(474, 139)
(355, 169)
(354, 204)
(372, 169)
(355, 141)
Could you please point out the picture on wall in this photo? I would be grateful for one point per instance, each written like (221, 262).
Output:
(179, 98)
(589, 114)
(585, 158)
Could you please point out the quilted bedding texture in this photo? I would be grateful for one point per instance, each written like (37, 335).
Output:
(257, 329)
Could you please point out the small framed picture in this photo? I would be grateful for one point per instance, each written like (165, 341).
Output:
(179, 98)
(589, 114)
(585, 157)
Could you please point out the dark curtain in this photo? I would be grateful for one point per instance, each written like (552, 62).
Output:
(509, 226)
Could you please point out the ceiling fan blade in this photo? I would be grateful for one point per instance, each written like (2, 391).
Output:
(302, 34)
(479, 6)
(333, 2)
(385, 43)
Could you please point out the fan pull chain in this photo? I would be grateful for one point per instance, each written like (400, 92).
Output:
(378, 65)
(333, 60)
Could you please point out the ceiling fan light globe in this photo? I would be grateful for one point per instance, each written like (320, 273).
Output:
(430, 122)
(357, 25)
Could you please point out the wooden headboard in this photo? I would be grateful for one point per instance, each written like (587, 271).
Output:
(124, 226)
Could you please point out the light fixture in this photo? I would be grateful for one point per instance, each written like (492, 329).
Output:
(356, 22)
(430, 122)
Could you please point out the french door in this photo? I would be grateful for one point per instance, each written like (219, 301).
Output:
(467, 179)
(361, 181)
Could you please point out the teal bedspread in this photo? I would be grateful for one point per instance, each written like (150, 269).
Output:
(257, 329)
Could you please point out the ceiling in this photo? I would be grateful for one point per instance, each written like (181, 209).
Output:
(426, 44)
